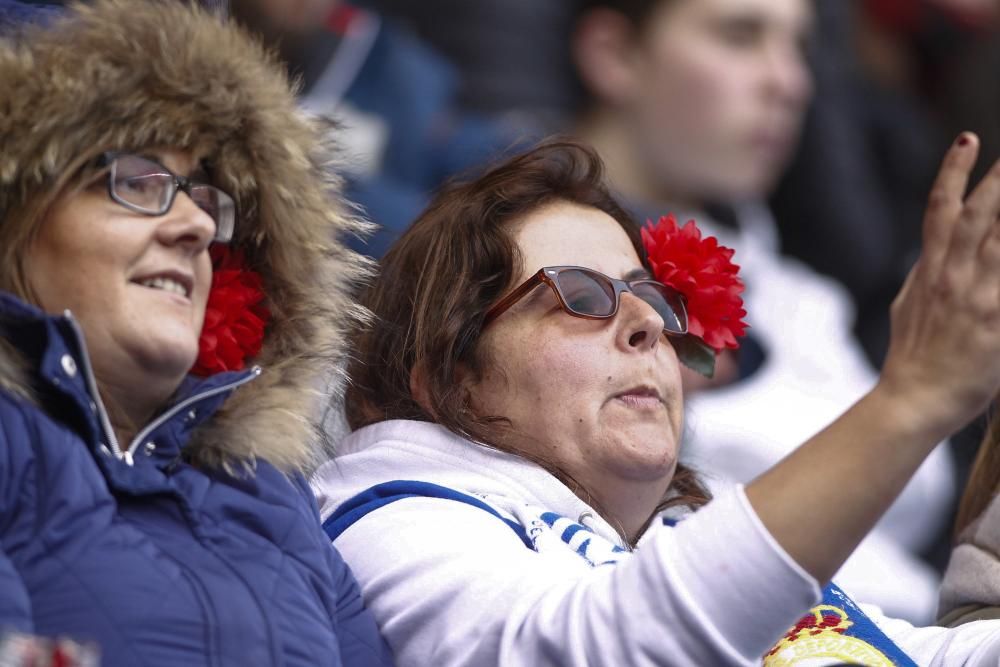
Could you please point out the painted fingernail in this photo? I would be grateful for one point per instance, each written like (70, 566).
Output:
(963, 139)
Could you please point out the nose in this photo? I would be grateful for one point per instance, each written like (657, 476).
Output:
(640, 326)
(788, 76)
(186, 225)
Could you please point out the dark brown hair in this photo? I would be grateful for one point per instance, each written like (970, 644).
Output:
(636, 11)
(437, 282)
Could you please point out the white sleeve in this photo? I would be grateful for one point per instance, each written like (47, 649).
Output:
(975, 644)
(450, 584)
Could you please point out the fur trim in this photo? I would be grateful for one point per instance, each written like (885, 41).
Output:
(127, 75)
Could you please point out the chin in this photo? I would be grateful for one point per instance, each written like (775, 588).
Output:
(651, 463)
(167, 357)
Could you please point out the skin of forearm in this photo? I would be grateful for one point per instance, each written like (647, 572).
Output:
(823, 498)
(942, 368)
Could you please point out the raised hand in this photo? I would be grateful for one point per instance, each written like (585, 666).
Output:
(942, 368)
(944, 351)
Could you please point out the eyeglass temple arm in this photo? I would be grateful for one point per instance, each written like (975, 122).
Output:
(503, 304)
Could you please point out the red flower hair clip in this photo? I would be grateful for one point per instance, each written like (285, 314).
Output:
(701, 270)
(235, 316)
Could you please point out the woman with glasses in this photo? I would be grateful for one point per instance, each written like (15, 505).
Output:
(517, 415)
(174, 292)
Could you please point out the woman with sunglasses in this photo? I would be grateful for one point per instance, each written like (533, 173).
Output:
(517, 410)
(155, 419)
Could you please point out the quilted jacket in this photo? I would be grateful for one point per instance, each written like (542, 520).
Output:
(198, 542)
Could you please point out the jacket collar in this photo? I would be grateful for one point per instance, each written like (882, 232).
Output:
(422, 451)
(53, 365)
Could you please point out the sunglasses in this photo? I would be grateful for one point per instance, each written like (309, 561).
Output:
(594, 296)
(146, 186)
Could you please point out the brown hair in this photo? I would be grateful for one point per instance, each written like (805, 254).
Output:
(636, 12)
(444, 273)
(984, 479)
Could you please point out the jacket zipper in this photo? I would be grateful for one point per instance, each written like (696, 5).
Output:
(88, 373)
(128, 455)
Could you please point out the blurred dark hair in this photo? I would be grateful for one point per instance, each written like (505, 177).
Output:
(444, 273)
(636, 11)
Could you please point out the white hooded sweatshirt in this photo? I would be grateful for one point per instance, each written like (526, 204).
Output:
(533, 576)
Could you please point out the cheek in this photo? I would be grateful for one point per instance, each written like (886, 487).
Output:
(681, 112)
(702, 94)
(561, 379)
(59, 272)
(38, 273)
(696, 133)
(544, 379)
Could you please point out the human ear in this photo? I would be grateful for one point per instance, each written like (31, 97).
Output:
(603, 52)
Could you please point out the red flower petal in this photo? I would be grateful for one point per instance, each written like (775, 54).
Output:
(703, 272)
(235, 318)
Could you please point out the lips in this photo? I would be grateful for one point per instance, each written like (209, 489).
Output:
(640, 396)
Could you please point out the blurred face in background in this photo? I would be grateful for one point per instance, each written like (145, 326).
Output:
(712, 94)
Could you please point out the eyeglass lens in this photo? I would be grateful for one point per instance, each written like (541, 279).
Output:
(150, 188)
(142, 183)
(586, 293)
(665, 302)
(591, 293)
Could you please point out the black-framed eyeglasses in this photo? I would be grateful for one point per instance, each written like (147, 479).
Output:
(145, 186)
(592, 295)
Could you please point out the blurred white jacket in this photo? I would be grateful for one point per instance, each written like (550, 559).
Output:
(813, 371)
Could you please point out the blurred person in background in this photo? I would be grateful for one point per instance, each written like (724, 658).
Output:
(894, 80)
(696, 107)
(172, 288)
(849, 203)
(394, 98)
(511, 55)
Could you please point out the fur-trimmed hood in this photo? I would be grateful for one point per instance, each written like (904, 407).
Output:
(127, 75)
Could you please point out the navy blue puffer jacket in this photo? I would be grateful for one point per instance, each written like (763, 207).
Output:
(198, 542)
(159, 562)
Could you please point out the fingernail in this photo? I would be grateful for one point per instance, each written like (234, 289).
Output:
(963, 139)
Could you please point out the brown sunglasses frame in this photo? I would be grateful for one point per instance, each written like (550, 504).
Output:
(542, 277)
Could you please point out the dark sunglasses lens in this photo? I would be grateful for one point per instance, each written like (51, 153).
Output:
(586, 293)
(219, 206)
(141, 183)
(668, 304)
